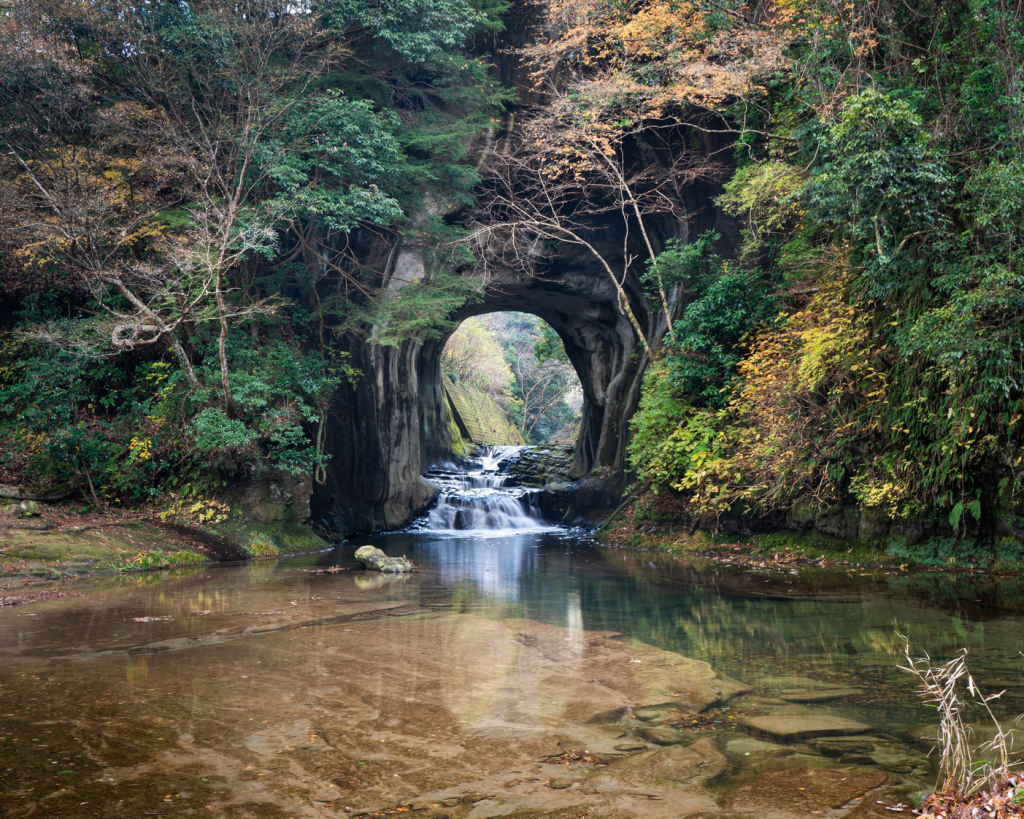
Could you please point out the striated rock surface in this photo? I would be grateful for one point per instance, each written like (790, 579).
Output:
(478, 418)
(387, 427)
(539, 466)
(804, 726)
(803, 791)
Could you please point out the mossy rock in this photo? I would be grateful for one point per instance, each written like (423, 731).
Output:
(271, 539)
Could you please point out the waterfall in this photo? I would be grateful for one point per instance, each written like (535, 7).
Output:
(477, 498)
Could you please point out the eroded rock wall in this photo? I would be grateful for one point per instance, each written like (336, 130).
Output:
(373, 443)
(385, 431)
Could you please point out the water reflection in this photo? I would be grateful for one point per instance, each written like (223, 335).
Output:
(745, 624)
(497, 639)
(495, 566)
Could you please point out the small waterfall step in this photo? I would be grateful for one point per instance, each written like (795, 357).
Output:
(476, 498)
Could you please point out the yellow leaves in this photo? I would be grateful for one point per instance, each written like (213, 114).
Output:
(75, 205)
(658, 54)
(202, 510)
(140, 449)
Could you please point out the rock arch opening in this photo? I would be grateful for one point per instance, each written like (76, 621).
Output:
(508, 380)
(387, 429)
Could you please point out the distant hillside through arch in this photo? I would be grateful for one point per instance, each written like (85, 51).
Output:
(510, 369)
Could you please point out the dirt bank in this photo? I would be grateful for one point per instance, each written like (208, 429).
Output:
(59, 541)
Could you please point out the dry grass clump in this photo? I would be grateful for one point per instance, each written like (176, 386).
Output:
(952, 691)
(1002, 802)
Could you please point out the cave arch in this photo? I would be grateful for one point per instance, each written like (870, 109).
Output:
(523, 399)
(598, 340)
(388, 428)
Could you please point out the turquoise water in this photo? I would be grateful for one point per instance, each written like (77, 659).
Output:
(848, 625)
(96, 689)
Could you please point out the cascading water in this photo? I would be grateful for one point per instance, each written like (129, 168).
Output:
(477, 499)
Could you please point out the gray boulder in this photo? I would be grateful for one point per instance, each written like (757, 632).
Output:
(25, 509)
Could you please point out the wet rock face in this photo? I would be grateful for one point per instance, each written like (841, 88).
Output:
(801, 791)
(392, 425)
(276, 496)
(385, 431)
(804, 726)
(750, 751)
(373, 438)
(661, 736)
(540, 466)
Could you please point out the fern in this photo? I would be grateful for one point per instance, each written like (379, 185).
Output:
(955, 514)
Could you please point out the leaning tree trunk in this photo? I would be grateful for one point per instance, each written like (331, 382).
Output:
(222, 310)
(55, 493)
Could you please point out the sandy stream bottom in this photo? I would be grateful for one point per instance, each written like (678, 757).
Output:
(371, 706)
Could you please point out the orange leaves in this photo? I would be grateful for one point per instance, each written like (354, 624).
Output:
(657, 55)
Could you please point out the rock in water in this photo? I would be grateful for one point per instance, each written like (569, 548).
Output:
(750, 751)
(373, 558)
(820, 695)
(797, 727)
(662, 736)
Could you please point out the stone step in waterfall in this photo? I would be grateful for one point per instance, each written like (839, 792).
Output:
(474, 497)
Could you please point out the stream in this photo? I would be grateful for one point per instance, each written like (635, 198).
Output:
(521, 669)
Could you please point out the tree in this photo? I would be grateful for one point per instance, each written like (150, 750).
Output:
(536, 195)
(234, 85)
(216, 180)
(633, 63)
(75, 199)
(222, 135)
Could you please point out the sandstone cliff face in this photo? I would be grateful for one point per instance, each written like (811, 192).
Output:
(374, 442)
(384, 432)
(387, 430)
(477, 418)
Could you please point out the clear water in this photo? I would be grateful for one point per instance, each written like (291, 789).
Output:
(101, 707)
(847, 625)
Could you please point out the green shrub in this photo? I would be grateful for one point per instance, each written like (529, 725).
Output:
(261, 546)
(213, 431)
(144, 561)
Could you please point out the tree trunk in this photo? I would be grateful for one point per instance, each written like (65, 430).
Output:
(186, 365)
(222, 310)
(179, 351)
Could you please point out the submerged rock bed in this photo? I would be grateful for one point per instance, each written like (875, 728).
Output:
(577, 723)
(530, 675)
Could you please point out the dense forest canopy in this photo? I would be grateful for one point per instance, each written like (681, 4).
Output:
(865, 344)
(199, 200)
(184, 188)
